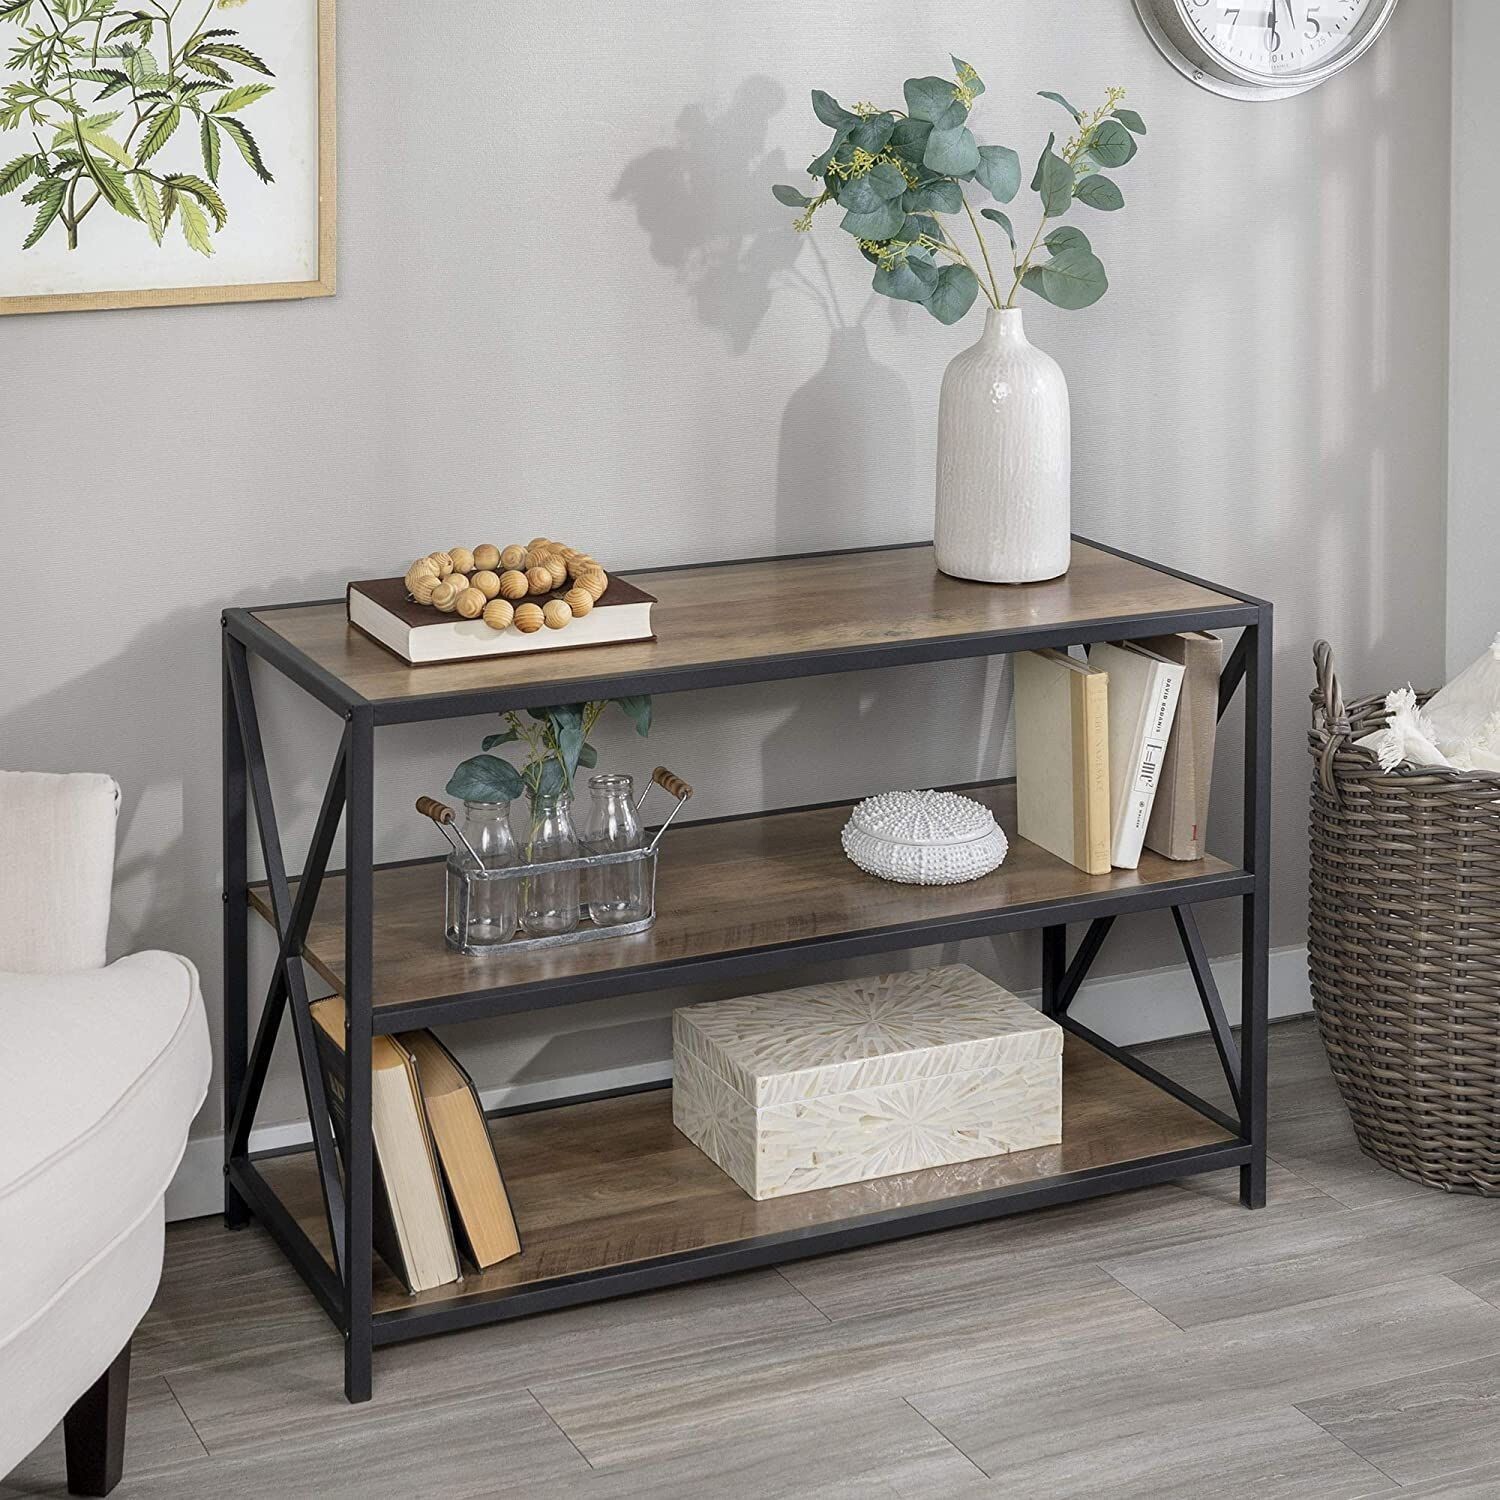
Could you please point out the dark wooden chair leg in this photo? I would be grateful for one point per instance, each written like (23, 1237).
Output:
(94, 1431)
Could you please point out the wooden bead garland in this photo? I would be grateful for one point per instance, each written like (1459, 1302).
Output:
(490, 583)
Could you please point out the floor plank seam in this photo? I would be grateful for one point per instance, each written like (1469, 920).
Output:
(541, 1406)
(186, 1418)
(803, 1295)
(1149, 1306)
(1363, 1458)
(983, 1473)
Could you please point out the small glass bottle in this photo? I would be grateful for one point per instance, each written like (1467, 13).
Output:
(482, 913)
(550, 902)
(616, 893)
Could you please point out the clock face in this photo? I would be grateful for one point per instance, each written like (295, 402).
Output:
(1276, 41)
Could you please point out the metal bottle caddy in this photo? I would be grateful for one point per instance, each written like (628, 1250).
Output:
(456, 911)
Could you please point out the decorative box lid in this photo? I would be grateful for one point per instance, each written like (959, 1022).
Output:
(856, 1033)
(927, 818)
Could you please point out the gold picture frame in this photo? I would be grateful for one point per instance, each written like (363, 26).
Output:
(324, 284)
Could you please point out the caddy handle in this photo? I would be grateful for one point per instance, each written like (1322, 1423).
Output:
(673, 786)
(439, 812)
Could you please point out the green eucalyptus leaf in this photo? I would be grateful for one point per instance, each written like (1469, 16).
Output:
(974, 83)
(1058, 99)
(1099, 192)
(917, 225)
(910, 280)
(935, 100)
(909, 139)
(485, 778)
(954, 294)
(1111, 145)
(792, 197)
(1130, 120)
(938, 195)
(950, 152)
(567, 730)
(550, 779)
(881, 184)
(880, 224)
(1053, 179)
(819, 164)
(873, 133)
(588, 757)
(1065, 235)
(1073, 278)
(505, 737)
(999, 172)
(1003, 221)
(638, 710)
(831, 112)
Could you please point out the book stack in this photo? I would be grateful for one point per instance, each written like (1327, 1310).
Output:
(1114, 754)
(438, 1185)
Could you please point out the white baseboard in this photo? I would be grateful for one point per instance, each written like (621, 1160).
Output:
(1127, 1008)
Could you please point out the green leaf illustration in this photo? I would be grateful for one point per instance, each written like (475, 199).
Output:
(194, 226)
(160, 132)
(182, 182)
(51, 205)
(242, 138)
(113, 186)
(109, 146)
(243, 97)
(15, 173)
(1099, 192)
(233, 52)
(209, 139)
(208, 68)
(150, 205)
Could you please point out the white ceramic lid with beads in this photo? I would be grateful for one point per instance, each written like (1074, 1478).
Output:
(924, 838)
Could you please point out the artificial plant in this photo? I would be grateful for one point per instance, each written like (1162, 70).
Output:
(900, 175)
(556, 742)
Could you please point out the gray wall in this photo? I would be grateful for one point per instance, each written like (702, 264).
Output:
(568, 304)
(1473, 433)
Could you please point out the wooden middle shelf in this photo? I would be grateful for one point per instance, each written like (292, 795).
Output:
(733, 895)
(611, 1183)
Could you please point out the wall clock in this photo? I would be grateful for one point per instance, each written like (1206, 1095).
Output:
(1263, 49)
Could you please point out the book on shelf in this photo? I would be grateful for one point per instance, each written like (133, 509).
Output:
(1063, 757)
(421, 636)
(1143, 691)
(483, 1219)
(410, 1217)
(1179, 817)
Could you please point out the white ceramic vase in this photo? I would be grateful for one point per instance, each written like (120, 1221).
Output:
(1004, 464)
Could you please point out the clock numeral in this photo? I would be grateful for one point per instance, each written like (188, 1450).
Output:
(1313, 26)
(1232, 15)
(1274, 45)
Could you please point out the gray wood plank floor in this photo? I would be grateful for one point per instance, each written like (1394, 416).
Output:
(1344, 1342)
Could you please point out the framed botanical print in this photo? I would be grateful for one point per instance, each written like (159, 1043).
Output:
(155, 152)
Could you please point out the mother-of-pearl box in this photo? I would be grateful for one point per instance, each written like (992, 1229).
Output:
(834, 1083)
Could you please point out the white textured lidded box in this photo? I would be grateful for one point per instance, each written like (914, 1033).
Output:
(924, 838)
(861, 1078)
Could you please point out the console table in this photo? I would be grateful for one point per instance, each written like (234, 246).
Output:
(609, 1198)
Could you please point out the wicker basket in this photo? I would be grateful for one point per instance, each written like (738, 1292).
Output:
(1404, 948)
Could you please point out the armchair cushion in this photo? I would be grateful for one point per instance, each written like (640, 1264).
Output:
(101, 1074)
(57, 856)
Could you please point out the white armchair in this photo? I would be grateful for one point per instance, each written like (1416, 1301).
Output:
(102, 1069)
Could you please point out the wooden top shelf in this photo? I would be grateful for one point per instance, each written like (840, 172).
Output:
(756, 621)
(734, 896)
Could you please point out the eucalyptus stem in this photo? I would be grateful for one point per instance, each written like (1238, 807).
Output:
(993, 294)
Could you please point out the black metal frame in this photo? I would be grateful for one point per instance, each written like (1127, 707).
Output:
(345, 1288)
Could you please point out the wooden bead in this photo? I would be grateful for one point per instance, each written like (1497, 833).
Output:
(442, 562)
(444, 597)
(529, 618)
(513, 557)
(579, 600)
(513, 584)
(538, 579)
(580, 563)
(498, 614)
(556, 614)
(423, 567)
(487, 582)
(539, 543)
(596, 580)
(461, 580)
(470, 604)
(487, 557)
(422, 590)
(463, 559)
(557, 568)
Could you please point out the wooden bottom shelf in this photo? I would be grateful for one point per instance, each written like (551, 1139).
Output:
(611, 1183)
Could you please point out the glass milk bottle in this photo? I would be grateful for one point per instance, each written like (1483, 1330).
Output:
(491, 906)
(550, 900)
(615, 893)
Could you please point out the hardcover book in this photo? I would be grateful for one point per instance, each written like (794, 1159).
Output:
(1143, 689)
(1179, 818)
(1063, 757)
(422, 636)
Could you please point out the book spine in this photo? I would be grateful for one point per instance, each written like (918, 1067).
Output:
(1151, 749)
(1096, 753)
